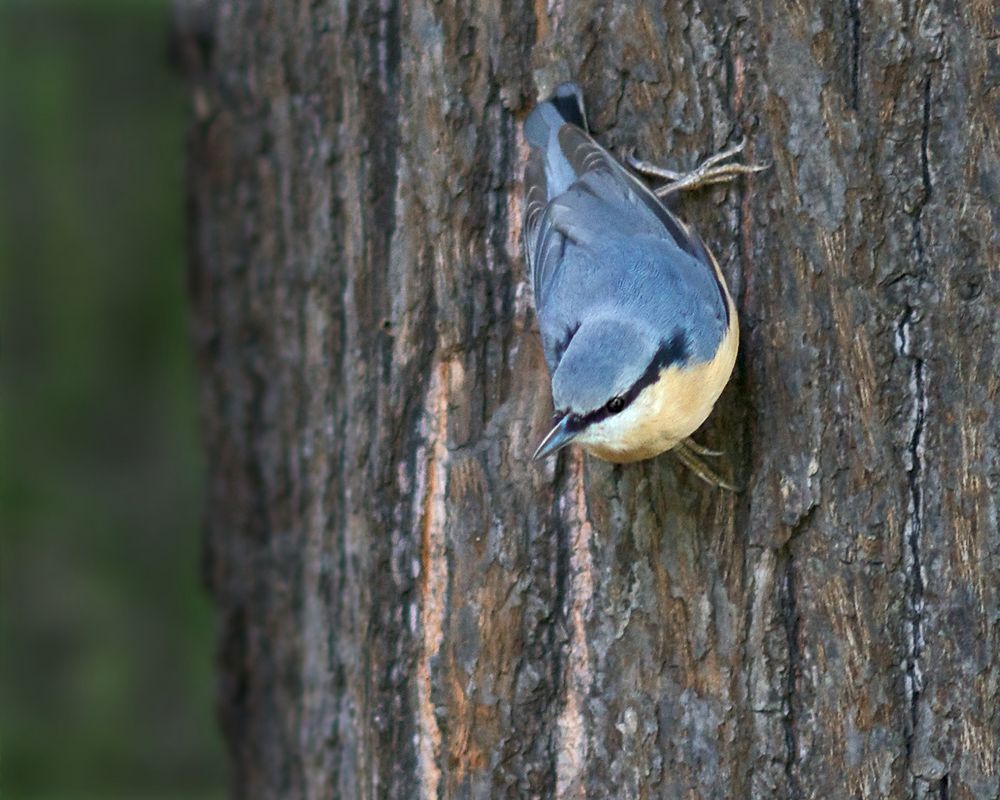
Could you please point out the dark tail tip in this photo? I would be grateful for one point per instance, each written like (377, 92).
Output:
(567, 99)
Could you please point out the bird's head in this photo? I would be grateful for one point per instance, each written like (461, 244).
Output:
(605, 389)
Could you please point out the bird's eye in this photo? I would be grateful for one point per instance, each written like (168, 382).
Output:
(615, 404)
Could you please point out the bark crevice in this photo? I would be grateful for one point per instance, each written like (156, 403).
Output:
(913, 527)
(790, 620)
(854, 15)
(915, 453)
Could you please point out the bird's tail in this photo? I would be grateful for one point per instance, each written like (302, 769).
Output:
(549, 172)
(565, 105)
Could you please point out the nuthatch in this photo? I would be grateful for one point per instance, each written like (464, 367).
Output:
(638, 327)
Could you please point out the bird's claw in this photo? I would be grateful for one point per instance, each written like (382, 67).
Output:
(687, 456)
(709, 172)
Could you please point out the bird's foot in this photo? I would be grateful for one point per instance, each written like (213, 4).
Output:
(701, 450)
(687, 452)
(710, 171)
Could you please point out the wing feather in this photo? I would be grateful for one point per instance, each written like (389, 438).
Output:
(605, 199)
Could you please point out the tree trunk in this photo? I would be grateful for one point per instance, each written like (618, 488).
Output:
(409, 607)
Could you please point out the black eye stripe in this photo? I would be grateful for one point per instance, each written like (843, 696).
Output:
(674, 351)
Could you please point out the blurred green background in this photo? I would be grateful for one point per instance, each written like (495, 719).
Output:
(106, 682)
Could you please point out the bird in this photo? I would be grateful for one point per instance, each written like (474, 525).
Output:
(638, 327)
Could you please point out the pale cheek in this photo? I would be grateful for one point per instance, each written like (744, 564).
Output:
(611, 431)
(631, 431)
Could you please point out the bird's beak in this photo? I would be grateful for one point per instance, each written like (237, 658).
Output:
(558, 437)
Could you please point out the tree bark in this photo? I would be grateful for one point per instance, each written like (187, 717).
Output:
(408, 606)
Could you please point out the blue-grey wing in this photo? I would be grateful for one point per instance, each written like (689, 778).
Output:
(602, 194)
(582, 233)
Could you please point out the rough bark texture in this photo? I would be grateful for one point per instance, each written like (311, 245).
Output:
(408, 606)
